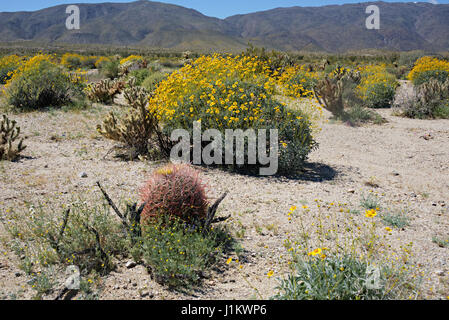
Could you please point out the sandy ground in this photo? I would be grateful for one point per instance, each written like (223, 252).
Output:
(405, 161)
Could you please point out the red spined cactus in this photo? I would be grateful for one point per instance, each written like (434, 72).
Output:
(174, 191)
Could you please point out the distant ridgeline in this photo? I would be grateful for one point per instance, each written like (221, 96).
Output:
(336, 28)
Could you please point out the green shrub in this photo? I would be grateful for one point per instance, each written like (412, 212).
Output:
(425, 76)
(380, 95)
(409, 58)
(395, 220)
(152, 80)
(370, 202)
(43, 86)
(224, 92)
(140, 75)
(110, 69)
(358, 114)
(442, 243)
(294, 130)
(332, 278)
(431, 101)
(435, 109)
(179, 255)
(44, 238)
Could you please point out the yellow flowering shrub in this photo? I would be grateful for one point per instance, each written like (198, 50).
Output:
(377, 87)
(75, 61)
(101, 60)
(131, 58)
(41, 82)
(8, 65)
(33, 63)
(429, 67)
(298, 81)
(225, 92)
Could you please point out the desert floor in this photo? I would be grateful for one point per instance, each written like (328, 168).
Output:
(405, 162)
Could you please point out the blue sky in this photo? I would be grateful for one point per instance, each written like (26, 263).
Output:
(212, 8)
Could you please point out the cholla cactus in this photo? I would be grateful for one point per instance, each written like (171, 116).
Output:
(138, 130)
(433, 90)
(329, 91)
(104, 91)
(130, 64)
(9, 133)
(135, 96)
(175, 191)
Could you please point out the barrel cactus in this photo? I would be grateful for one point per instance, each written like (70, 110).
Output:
(174, 192)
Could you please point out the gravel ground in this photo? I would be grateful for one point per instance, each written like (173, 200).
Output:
(405, 162)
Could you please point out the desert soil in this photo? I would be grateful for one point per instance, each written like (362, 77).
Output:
(405, 162)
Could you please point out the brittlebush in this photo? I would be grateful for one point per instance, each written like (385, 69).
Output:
(377, 87)
(429, 67)
(226, 92)
(8, 65)
(41, 82)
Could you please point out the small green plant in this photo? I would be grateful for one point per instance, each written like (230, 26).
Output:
(152, 80)
(179, 254)
(395, 220)
(380, 95)
(332, 278)
(82, 235)
(43, 283)
(370, 202)
(438, 75)
(140, 75)
(110, 69)
(357, 115)
(443, 243)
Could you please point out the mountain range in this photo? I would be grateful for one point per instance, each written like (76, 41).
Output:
(334, 28)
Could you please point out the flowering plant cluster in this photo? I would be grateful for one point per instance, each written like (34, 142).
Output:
(131, 58)
(8, 65)
(427, 67)
(232, 92)
(377, 87)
